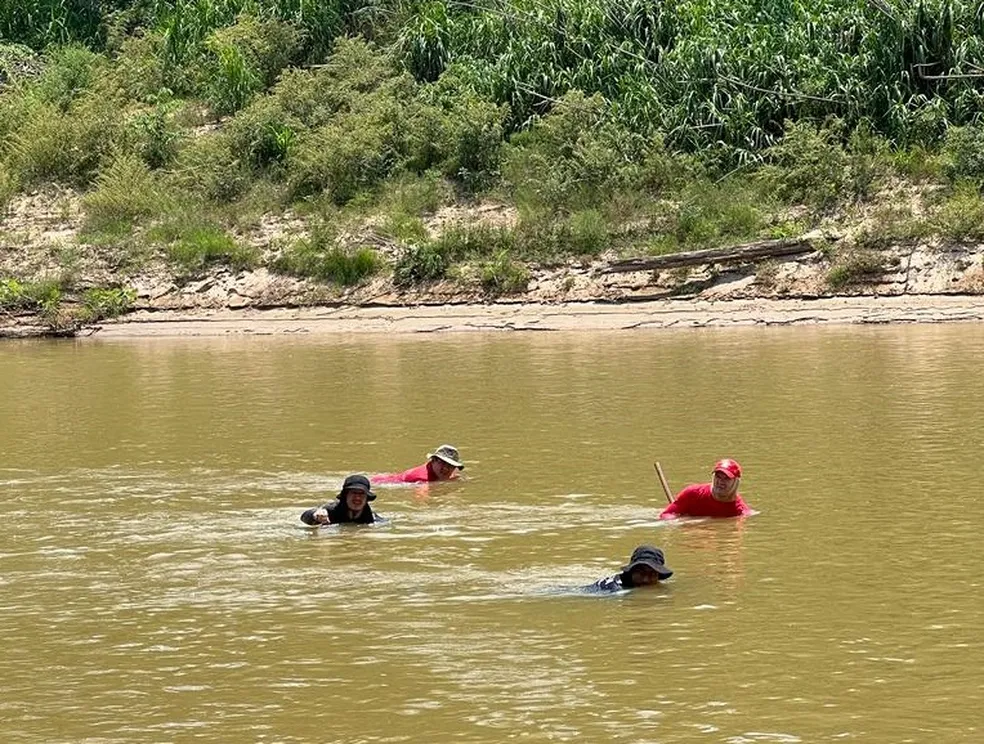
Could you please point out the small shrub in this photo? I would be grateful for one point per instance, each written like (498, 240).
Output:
(44, 296)
(503, 275)
(18, 62)
(233, 81)
(125, 192)
(855, 266)
(420, 263)
(8, 188)
(12, 294)
(352, 155)
(868, 161)
(572, 158)
(589, 232)
(202, 245)
(476, 134)
(963, 154)
(710, 215)
(263, 134)
(246, 58)
(108, 302)
(468, 241)
(156, 136)
(208, 166)
(919, 164)
(68, 73)
(960, 215)
(809, 166)
(405, 229)
(893, 224)
(67, 147)
(139, 68)
(413, 195)
(313, 259)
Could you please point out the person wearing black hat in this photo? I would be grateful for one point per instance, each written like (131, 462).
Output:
(352, 505)
(646, 567)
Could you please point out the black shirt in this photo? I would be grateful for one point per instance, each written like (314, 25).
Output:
(338, 513)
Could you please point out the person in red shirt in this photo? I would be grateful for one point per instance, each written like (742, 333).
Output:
(719, 498)
(442, 464)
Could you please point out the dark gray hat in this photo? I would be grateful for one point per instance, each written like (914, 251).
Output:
(357, 482)
(647, 555)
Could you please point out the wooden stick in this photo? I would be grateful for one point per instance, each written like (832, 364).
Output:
(663, 483)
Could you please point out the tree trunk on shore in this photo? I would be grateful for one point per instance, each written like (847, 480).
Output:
(747, 252)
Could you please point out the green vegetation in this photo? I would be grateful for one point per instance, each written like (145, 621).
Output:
(44, 297)
(630, 127)
(855, 266)
(108, 302)
(327, 262)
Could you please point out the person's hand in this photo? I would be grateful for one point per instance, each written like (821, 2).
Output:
(320, 515)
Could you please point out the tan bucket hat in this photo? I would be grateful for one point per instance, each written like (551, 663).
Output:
(449, 454)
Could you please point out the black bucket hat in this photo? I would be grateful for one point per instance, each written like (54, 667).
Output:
(357, 482)
(647, 555)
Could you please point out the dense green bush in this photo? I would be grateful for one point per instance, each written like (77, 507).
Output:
(43, 296)
(108, 302)
(573, 158)
(244, 59)
(421, 263)
(808, 166)
(68, 73)
(125, 191)
(193, 243)
(855, 266)
(960, 214)
(502, 274)
(209, 166)
(316, 258)
(66, 146)
(353, 154)
(963, 153)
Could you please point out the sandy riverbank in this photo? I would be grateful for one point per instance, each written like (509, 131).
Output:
(579, 316)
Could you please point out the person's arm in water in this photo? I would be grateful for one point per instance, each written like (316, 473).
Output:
(316, 515)
(679, 506)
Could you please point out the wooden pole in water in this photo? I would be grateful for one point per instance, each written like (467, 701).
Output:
(663, 483)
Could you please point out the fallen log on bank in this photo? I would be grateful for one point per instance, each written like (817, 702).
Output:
(746, 252)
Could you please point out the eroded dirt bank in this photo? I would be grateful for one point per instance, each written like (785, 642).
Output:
(592, 316)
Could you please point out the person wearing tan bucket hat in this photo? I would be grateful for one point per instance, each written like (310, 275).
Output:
(719, 498)
(442, 464)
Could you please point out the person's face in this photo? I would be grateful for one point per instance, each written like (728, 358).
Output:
(644, 576)
(441, 469)
(723, 486)
(355, 500)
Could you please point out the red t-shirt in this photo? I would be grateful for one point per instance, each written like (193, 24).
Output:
(419, 474)
(696, 501)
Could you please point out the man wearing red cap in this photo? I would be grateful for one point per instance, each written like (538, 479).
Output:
(719, 498)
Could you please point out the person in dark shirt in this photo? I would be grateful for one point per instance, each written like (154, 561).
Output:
(646, 567)
(352, 505)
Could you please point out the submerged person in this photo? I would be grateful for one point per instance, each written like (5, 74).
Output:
(442, 464)
(646, 567)
(352, 505)
(719, 498)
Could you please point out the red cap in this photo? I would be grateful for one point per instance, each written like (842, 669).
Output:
(729, 467)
